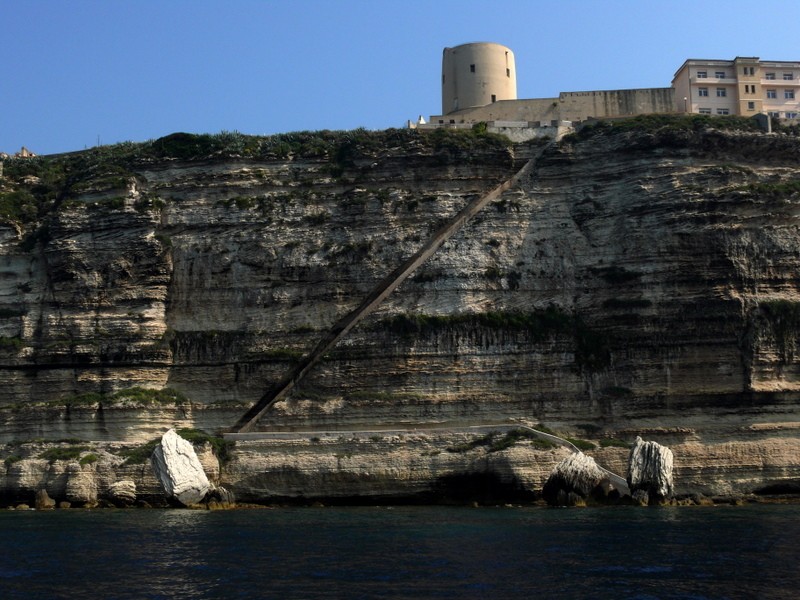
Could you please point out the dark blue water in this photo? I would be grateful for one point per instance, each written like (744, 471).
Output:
(409, 552)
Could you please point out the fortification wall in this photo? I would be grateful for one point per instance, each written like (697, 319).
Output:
(578, 106)
(569, 106)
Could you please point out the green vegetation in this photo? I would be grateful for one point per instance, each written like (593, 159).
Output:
(39, 187)
(613, 443)
(221, 446)
(10, 460)
(662, 124)
(19, 206)
(136, 395)
(538, 323)
(771, 190)
(70, 453)
(88, 459)
(139, 454)
(581, 444)
(290, 354)
(10, 344)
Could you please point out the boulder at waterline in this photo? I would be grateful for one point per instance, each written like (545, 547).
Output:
(178, 469)
(121, 493)
(577, 479)
(650, 471)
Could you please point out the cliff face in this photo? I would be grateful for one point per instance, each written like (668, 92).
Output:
(641, 281)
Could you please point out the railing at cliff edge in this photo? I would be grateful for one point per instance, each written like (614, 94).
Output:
(379, 293)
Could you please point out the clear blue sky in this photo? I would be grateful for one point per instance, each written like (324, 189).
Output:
(77, 71)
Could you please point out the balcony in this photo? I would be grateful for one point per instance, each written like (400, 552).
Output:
(779, 83)
(713, 81)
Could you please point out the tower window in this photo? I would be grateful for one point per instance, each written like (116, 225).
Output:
(508, 72)
(494, 98)
(472, 68)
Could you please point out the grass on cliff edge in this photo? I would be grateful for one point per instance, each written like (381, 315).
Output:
(136, 396)
(33, 188)
(664, 123)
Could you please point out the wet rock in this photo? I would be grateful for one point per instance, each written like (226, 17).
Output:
(121, 493)
(650, 471)
(220, 499)
(178, 469)
(44, 501)
(577, 479)
(64, 504)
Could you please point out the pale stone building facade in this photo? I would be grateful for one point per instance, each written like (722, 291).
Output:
(743, 86)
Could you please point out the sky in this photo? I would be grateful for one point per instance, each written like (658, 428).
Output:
(78, 73)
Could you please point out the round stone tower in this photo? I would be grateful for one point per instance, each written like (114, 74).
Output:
(477, 74)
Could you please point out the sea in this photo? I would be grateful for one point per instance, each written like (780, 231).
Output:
(750, 551)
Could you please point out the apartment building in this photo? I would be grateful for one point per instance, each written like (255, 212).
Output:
(743, 86)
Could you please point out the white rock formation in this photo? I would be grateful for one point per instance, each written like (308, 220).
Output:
(122, 493)
(178, 469)
(575, 479)
(650, 469)
(81, 486)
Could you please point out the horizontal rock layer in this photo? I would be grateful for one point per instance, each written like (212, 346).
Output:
(636, 283)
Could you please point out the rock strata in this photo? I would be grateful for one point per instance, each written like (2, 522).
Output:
(178, 469)
(650, 472)
(121, 493)
(640, 276)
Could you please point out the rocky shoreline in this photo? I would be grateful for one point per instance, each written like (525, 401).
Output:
(337, 469)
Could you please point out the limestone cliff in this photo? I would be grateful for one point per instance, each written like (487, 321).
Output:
(641, 280)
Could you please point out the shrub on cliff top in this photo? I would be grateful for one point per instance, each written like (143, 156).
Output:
(61, 453)
(220, 445)
(135, 395)
(664, 123)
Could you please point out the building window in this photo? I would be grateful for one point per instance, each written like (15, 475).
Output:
(791, 115)
(702, 91)
(769, 76)
(749, 71)
(788, 76)
(702, 74)
(719, 74)
(751, 106)
(721, 92)
(788, 94)
(704, 111)
(472, 68)
(723, 111)
(494, 98)
(772, 94)
(508, 72)
(774, 113)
